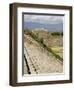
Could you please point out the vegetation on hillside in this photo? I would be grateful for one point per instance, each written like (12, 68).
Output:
(47, 40)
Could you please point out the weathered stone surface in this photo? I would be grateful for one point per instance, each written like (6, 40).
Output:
(40, 61)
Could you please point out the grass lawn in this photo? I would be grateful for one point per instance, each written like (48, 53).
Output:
(57, 50)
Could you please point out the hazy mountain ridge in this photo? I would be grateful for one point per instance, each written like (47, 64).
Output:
(50, 27)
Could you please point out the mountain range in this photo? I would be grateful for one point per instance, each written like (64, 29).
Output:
(52, 27)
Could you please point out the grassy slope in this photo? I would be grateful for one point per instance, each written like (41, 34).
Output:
(58, 50)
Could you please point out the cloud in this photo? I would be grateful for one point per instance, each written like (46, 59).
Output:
(43, 19)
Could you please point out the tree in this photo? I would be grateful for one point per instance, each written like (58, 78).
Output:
(41, 40)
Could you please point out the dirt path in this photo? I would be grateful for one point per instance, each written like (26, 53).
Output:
(39, 60)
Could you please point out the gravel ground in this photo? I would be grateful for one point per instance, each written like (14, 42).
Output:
(39, 60)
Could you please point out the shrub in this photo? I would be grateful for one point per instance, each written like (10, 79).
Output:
(57, 33)
(41, 40)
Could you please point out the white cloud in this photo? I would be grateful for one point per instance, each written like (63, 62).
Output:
(43, 19)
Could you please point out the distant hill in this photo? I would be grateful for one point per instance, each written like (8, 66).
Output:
(50, 40)
(58, 27)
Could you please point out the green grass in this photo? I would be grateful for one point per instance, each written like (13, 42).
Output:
(58, 50)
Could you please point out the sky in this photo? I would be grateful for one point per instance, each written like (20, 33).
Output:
(43, 21)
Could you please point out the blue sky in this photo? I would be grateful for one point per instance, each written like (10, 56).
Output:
(49, 20)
